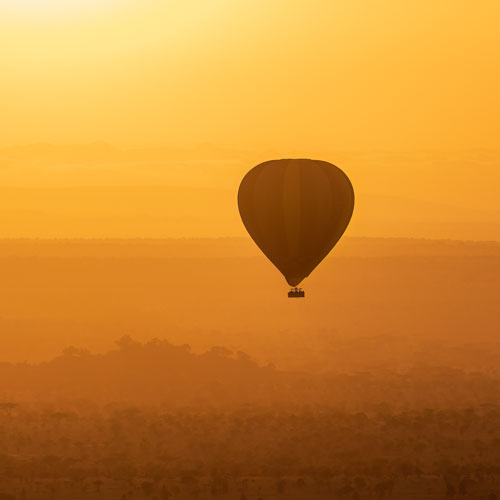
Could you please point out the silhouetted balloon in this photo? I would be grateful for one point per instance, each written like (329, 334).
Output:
(296, 211)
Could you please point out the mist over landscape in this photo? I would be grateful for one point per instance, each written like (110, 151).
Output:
(221, 292)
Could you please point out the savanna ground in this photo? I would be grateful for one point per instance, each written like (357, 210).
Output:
(130, 453)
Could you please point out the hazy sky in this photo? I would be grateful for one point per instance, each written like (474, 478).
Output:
(355, 74)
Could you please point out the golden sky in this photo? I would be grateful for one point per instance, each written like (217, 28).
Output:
(357, 74)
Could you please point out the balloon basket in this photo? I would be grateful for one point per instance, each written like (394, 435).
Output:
(296, 293)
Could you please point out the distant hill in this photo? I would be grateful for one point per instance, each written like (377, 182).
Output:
(100, 190)
(158, 373)
(160, 211)
(242, 247)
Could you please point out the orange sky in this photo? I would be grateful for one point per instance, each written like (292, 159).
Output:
(315, 74)
(402, 95)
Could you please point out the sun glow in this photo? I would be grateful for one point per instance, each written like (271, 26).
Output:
(51, 8)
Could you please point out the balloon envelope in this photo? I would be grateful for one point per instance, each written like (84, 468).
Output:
(296, 210)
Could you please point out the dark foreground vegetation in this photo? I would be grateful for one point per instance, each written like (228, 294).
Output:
(134, 453)
(156, 421)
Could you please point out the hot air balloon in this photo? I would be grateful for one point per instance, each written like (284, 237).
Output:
(296, 210)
